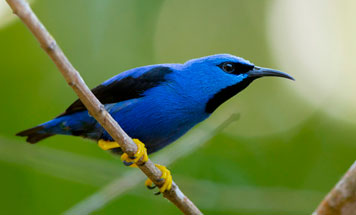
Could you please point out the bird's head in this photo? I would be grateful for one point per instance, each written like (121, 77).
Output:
(221, 76)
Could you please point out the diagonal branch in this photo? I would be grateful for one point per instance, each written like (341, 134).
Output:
(122, 184)
(22, 9)
(342, 198)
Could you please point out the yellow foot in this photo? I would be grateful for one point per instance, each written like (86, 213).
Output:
(106, 145)
(166, 176)
(140, 153)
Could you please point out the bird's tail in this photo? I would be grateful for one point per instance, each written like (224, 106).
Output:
(34, 134)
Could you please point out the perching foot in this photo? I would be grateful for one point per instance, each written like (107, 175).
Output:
(140, 153)
(166, 176)
(128, 161)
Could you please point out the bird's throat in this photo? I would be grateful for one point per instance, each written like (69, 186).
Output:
(225, 94)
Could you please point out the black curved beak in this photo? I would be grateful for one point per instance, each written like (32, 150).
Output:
(258, 72)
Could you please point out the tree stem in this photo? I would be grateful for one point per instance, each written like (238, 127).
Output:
(342, 198)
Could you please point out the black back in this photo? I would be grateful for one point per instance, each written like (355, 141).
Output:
(123, 89)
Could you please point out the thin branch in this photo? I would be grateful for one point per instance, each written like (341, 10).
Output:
(22, 9)
(342, 198)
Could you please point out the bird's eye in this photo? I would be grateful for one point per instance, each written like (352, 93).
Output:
(228, 67)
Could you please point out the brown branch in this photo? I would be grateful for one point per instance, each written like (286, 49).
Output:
(342, 198)
(22, 9)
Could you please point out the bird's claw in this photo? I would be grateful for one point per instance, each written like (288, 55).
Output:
(127, 163)
(141, 153)
(150, 187)
(166, 176)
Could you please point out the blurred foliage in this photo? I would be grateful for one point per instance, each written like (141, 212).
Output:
(284, 153)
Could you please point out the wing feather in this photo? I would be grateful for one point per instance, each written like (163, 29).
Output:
(123, 87)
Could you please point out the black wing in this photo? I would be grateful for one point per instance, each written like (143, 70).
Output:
(123, 89)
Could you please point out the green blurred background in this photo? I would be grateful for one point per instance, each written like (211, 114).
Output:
(293, 142)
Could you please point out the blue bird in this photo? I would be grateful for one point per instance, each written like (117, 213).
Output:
(157, 104)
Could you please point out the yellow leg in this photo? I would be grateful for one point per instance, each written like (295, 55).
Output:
(166, 176)
(106, 145)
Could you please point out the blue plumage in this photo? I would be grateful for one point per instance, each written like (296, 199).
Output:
(159, 103)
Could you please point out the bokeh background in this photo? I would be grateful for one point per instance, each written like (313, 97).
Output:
(292, 143)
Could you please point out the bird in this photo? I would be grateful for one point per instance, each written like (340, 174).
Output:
(157, 104)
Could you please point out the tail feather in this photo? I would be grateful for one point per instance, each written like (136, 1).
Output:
(34, 134)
